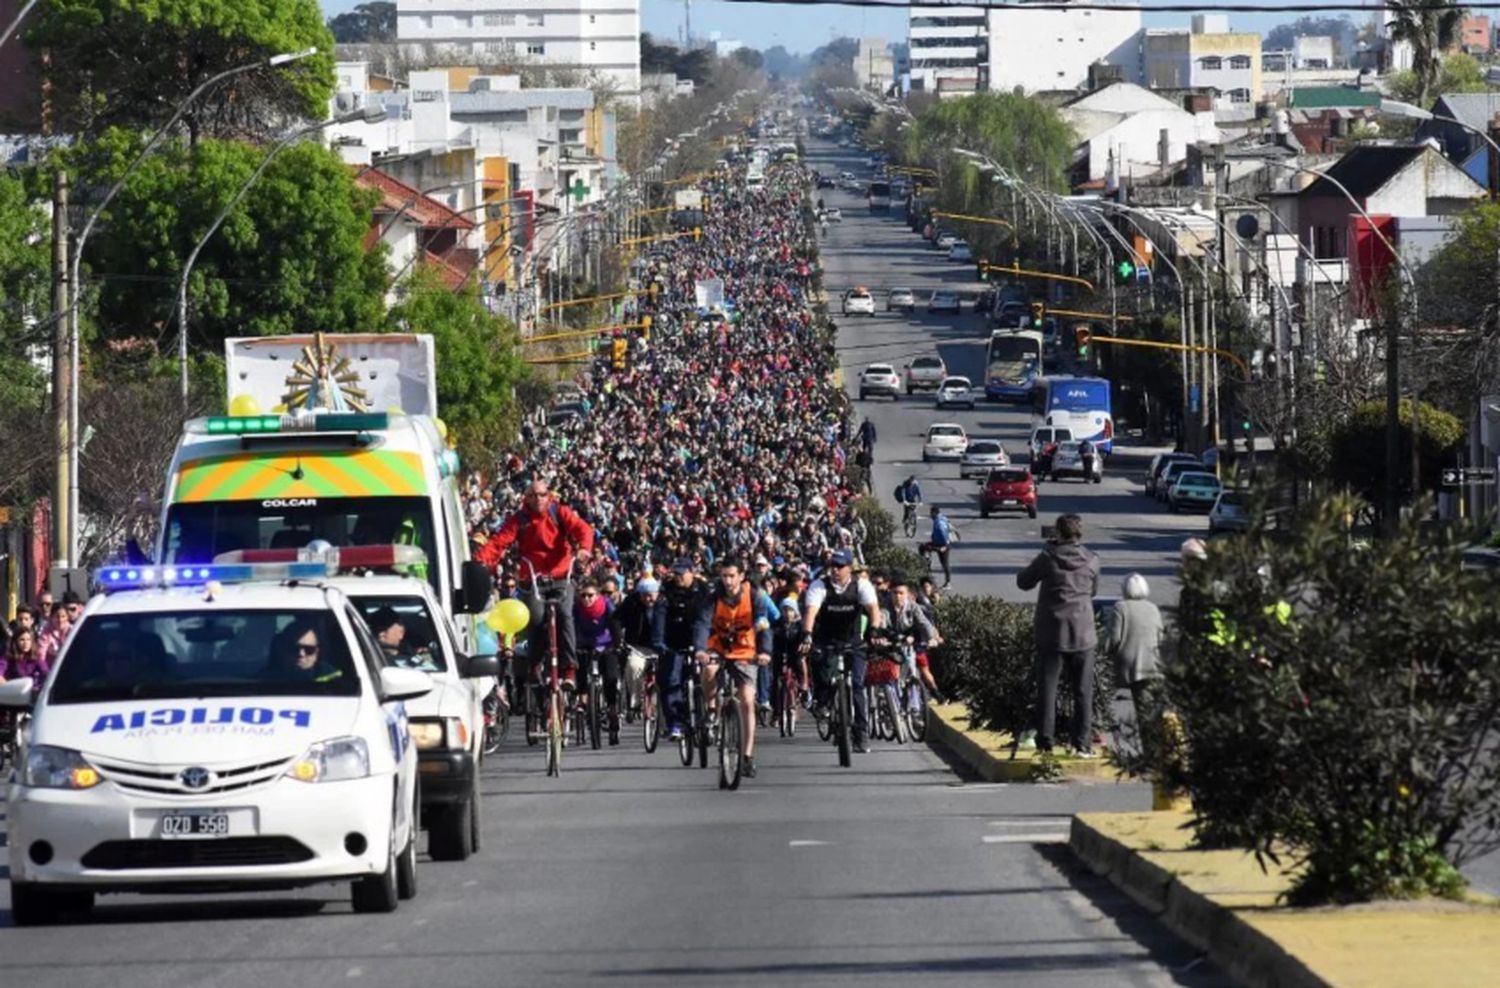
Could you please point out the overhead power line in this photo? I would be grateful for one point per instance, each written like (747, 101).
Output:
(1170, 8)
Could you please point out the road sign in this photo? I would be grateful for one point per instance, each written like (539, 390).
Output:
(1468, 476)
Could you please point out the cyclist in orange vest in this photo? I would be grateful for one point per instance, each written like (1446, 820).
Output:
(739, 630)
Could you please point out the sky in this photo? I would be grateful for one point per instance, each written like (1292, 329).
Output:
(764, 25)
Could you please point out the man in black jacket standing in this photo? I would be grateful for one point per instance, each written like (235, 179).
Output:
(1067, 574)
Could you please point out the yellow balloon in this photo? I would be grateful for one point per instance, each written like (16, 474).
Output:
(492, 621)
(442, 428)
(244, 405)
(512, 615)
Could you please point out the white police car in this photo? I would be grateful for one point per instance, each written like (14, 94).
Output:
(218, 735)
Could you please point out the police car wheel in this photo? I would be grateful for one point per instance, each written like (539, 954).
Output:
(474, 826)
(33, 905)
(406, 867)
(376, 893)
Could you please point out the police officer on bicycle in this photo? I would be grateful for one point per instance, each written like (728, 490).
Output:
(831, 623)
(681, 629)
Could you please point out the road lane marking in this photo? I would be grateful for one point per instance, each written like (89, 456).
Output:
(1037, 821)
(1043, 838)
(354, 972)
(808, 843)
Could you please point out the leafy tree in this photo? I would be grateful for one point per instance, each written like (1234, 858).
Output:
(1460, 73)
(368, 23)
(25, 283)
(478, 361)
(1431, 30)
(749, 58)
(131, 62)
(290, 256)
(1359, 447)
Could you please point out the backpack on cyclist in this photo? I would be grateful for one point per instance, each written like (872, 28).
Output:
(899, 494)
(524, 519)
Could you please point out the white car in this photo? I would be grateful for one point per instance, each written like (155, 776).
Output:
(447, 725)
(961, 252)
(833, 214)
(945, 441)
(879, 379)
(1067, 462)
(211, 736)
(925, 372)
(981, 457)
(955, 391)
(859, 301)
(943, 300)
(901, 298)
(945, 241)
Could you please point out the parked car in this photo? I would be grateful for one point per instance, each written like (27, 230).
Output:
(1193, 489)
(1069, 463)
(961, 252)
(945, 441)
(901, 298)
(1230, 513)
(981, 457)
(1008, 489)
(824, 182)
(955, 391)
(943, 300)
(1159, 464)
(925, 373)
(833, 214)
(859, 301)
(945, 240)
(879, 379)
(1170, 474)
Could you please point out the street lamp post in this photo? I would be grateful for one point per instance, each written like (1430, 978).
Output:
(368, 115)
(275, 61)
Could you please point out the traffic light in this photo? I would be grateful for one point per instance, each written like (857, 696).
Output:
(1245, 426)
(697, 233)
(984, 269)
(646, 328)
(1038, 313)
(617, 353)
(1081, 336)
(1125, 270)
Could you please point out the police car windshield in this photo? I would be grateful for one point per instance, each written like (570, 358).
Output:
(405, 630)
(189, 654)
(198, 531)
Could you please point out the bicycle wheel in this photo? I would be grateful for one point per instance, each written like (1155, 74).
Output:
(595, 712)
(731, 745)
(536, 726)
(496, 725)
(892, 704)
(844, 723)
(824, 718)
(649, 725)
(554, 733)
(788, 717)
(689, 733)
(916, 711)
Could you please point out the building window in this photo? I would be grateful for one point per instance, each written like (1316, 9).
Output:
(591, 18)
(1239, 62)
(495, 20)
(536, 48)
(535, 20)
(465, 21)
(427, 20)
(1212, 63)
(593, 47)
(1327, 242)
(1239, 96)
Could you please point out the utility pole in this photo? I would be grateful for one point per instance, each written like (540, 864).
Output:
(62, 378)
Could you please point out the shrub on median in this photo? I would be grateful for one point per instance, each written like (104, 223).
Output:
(1342, 700)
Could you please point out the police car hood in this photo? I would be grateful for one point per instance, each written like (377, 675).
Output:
(219, 731)
(450, 697)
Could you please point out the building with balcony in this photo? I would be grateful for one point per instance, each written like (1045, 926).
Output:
(949, 49)
(1037, 50)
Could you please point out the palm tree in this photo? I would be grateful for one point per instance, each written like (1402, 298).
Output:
(1431, 28)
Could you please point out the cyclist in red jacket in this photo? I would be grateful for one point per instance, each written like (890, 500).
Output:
(546, 535)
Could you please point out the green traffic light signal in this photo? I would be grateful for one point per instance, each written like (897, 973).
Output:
(1245, 425)
(1125, 269)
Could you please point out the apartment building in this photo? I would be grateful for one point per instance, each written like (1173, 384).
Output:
(1208, 55)
(949, 49)
(1052, 49)
(598, 38)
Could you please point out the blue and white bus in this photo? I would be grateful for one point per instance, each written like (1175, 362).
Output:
(1011, 365)
(1081, 404)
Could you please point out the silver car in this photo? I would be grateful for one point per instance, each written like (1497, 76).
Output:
(943, 300)
(1230, 513)
(1068, 462)
(981, 456)
(956, 391)
(901, 298)
(925, 373)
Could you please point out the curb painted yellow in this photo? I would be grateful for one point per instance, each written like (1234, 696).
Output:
(988, 754)
(1224, 904)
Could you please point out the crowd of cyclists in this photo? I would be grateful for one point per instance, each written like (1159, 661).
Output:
(700, 510)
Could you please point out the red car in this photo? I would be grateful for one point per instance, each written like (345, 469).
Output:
(1008, 489)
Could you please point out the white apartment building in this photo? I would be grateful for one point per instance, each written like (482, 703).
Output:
(599, 38)
(1052, 49)
(874, 68)
(949, 49)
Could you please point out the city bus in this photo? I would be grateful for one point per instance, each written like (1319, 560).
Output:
(880, 195)
(1011, 365)
(1081, 404)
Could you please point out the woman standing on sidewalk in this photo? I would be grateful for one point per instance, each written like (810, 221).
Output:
(1132, 639)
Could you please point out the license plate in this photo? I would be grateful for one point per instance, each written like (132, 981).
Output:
(1010, 502)
(208, 823)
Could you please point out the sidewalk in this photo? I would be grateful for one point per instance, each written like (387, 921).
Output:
(988, 754)
(1224, 904)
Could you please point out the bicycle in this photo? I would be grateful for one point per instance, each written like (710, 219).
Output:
(556, 709)
(882, 676)
(909, 518)
(695, 731)
(788, 691)
(836, 723)
(728, 730)
(649, 718)
(497, 710)
(914, 703)
(589, 708)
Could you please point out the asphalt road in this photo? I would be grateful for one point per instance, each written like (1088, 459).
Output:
(1131, 533)
(632, 870)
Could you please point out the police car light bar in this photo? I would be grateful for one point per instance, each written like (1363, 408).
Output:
(301, 421)
(337, 559)
(139, 577)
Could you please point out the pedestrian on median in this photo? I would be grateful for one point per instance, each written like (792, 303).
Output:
(1132, 640)
(1066, 577)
